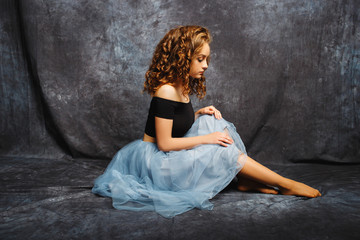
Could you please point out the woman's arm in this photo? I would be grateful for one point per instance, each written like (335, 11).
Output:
(166, 142)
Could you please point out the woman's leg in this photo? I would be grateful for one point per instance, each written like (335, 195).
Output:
(258, 173)
(246, 185)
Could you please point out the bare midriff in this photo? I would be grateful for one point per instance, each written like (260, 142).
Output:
(148, 138)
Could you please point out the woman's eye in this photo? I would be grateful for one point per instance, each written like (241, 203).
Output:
(200, 59)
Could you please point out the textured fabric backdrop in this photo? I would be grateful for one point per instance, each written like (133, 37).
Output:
(286, 73)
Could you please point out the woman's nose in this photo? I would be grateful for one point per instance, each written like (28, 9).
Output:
(205, 65)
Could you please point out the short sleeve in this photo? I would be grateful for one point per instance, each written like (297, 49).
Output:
(163, 108)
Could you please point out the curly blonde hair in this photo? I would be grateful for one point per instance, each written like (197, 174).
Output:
(172, 58)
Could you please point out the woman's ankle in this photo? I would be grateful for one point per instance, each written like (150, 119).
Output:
(285, 183)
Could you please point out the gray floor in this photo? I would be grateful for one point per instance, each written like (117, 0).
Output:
(52, 199)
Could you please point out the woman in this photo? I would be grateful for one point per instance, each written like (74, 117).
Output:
(184, 159)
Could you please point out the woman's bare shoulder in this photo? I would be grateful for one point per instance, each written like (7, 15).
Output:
(168, 92)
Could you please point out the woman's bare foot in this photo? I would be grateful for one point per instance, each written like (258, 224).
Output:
(247, 185)
(299, 189)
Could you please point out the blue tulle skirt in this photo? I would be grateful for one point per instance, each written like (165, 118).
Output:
(141, 177)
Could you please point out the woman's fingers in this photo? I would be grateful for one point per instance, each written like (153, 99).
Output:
(217, 114)
(211, 110)
(224, 141)
(220, 138)
(228, 140)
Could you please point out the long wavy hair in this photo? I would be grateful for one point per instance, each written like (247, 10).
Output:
(172, 58)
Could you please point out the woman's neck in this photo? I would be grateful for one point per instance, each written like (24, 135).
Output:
(180, 90)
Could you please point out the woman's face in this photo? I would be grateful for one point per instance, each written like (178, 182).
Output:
(198, 63)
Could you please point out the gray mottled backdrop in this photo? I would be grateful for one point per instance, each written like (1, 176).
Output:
(286, 73)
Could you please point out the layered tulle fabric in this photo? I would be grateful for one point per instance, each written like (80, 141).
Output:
(141, 177)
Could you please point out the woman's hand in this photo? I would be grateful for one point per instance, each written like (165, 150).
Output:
(220, 138)
(211, 110)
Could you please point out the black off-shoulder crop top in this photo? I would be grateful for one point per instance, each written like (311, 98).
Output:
(181, 113)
